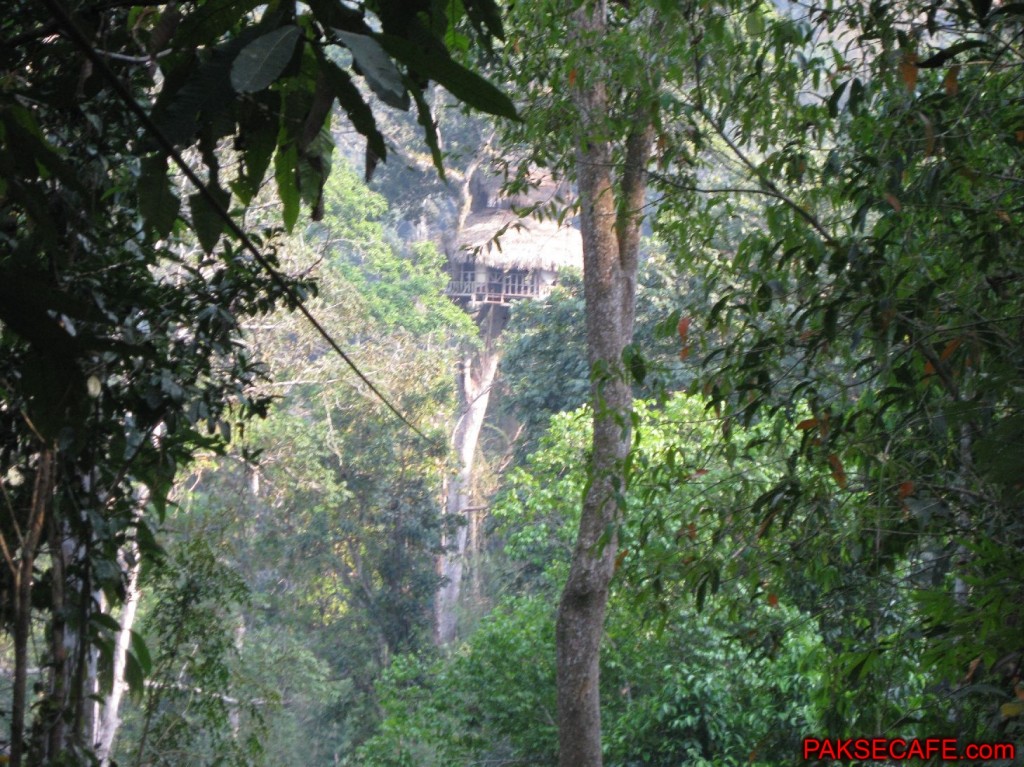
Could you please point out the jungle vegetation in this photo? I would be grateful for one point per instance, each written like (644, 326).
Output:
(753, 475)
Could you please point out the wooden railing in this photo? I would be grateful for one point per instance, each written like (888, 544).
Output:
(495, 292)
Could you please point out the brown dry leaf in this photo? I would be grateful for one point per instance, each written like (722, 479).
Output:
(971, 671)
(684, 332)
(950, 348)
(908, 71)
(950, 81)
(838, 472)
(619, 559)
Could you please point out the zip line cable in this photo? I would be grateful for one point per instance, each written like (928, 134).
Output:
(80, 40)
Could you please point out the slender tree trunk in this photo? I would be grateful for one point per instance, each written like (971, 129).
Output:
(56, 717)
(475, 381)
(610, 225)
(42, 499)
(109, 719)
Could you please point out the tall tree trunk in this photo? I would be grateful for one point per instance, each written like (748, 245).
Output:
(610, 225)
(109, 719)
(476, 378)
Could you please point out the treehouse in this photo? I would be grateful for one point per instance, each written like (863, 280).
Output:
(499, 256)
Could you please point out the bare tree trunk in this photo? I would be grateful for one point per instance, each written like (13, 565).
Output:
(475, 381)
(109, 717)
(610, 225)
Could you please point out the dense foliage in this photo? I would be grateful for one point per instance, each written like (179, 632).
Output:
(856, 277)
(731, 685)
(334, 529)
(122, 303)
(818, 523)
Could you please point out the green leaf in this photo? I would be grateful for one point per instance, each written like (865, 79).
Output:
(635, 362)
(352, 102)
(465, 85)
(426, 119)
(147, 540)
(837, 94)
(263, 60)
(257, 139)
(141, 653)
(158, 203)
(755, 23)
(207, 221)
(203, 95)
(134, 675)
(106, 621)
(377, 67)
(287, 186)
(487, 14)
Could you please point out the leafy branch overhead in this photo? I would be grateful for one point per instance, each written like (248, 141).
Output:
(268, 82)
(122, 356)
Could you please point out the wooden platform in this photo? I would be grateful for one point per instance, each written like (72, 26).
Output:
(495, 292)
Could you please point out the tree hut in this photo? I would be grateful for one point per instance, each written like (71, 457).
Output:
(499, 256)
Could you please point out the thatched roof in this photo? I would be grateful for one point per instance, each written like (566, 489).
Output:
(523, 243)
(496, 236)
(491, 190)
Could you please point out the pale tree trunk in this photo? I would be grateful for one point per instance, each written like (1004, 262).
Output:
(67, 721)
(610, 226)
(476, 377)
(108, 719)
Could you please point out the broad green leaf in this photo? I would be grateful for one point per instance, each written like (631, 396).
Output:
(158, 203)
(263, 60)
(203, 95)
(134, 675)
(429, 131)
(352, 102)
(377, 67)
(257, 139)
(755, 23)
(207, 222)
(106, 621)
(465, 85)
(141, 652)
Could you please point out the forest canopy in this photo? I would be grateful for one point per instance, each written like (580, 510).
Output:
(269, 486)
